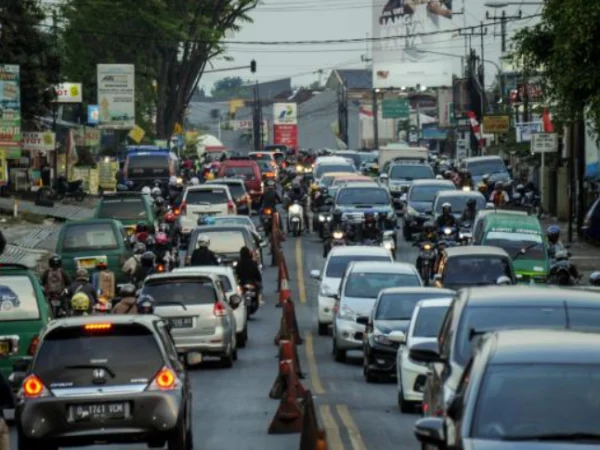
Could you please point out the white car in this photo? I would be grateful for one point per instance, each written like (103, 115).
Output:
(333, 270)
(425, 324)
(227, 278)
(205, 200)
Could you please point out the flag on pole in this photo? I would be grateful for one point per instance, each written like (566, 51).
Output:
(547, 122)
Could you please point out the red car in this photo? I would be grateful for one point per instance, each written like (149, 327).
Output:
(247, 170)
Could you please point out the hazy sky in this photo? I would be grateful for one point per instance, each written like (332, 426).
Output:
(293, 20)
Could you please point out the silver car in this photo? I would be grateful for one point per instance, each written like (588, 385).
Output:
(201, 317)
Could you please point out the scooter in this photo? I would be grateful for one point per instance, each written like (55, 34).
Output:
(64, 188)
(250, 297)
(295, 218)
(389, 243)
(562, 272)
(427, 257)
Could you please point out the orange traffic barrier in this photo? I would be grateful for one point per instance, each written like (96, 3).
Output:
(287, 352)
(289, 311)
(288, 417)
(311, 437)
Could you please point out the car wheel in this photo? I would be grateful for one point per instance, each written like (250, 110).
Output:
(406, 232)
(242, 338)
(369, 377)
(323, 329)
(227, 360)
(177, 440)
(405, 406)
(189, 435)
(338, 355)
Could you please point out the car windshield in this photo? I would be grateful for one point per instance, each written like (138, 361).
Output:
(514, 242)
(245, 172)
(225, 241)
(411, 172)
(261, 156)
(17, 299)
(234, 221)
(363, 196)
(427, 193)
(428, 321)
(490, 318)
(206, 196)
(475, 270)
(237, 189)
(322, 169)
(337, 264)
(328, 180)
(368, 157)
(186, 291)
(70, 357)
(369, 284)
(148, 162)
(459, 202)
(97, 236)
(401, 306)
(522, 401)
(487, 167)
(122, 208)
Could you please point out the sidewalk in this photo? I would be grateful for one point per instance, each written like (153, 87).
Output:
(59, 211)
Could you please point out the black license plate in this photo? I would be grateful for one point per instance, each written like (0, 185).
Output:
(181, 322)
(99, 411)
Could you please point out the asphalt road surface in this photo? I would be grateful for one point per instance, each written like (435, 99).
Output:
(232, 409)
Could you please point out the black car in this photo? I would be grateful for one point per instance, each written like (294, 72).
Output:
(109, 379)
(523, 389)
(476, 311)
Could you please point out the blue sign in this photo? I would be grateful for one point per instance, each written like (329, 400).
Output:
(93, 114)
(434, 133)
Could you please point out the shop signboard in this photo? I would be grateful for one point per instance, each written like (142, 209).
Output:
(40, 141)
(68, 93)
(10, 108)
(116, 96)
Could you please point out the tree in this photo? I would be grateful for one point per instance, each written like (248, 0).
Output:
(230, 87)
(23, 43)
(563, 50)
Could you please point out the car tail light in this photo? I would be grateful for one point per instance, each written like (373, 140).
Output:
(160, 268)
(219, 309)
(177, 211)
(267, 211)
(183, 207)
(34, 388)
(165, 380)
(97, 326)
(230, 206)
(33, 345)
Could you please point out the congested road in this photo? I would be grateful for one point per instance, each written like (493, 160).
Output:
(232, 409)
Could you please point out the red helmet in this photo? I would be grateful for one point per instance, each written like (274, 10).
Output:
(161, 238)
(169, 217)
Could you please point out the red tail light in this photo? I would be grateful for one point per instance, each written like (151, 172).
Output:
(33, 345)
(219, 309)
(230, 206)
(268, 211)
(183, 207)
(165, 380)
(160, 268)
(177, 211)
(33, 387)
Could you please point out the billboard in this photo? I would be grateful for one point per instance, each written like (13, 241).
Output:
(285, 124)
(445, 106)
(10, 102)
(116, 96)
(68, 93)
(424, 29)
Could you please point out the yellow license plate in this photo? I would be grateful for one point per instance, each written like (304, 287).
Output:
(130, 231)
(88, 263)
(4, 348)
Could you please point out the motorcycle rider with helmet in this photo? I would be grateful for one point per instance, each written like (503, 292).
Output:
(370, 230)
(128, 302)
(555, 245)
(271, 199)
(466, 180)
(80, 304)
(298, 194)
(203, 256)
(446, 219)
(163, 250)
(103, 277)
(247, 270)
(82, 285)
(428, 234)
(499, 197)
(145, 268)
(141, 233)
(483, 185)
(145, 304)
(146, 190)
(470, 211)
(54, 279)
(131, 265)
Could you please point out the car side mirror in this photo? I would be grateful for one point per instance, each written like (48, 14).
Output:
(397, 336)
(235, 301)
(403, 198)
(263, 244)
(456, 407)
(426, 352)
(431, 431)
(315, 274)
(363, 320)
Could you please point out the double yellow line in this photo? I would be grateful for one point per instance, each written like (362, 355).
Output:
(334, 438)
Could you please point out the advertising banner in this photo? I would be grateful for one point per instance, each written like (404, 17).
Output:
(445, 106)
(286, 135)
(40, 141)
(524, 130)
(93, 114)
(432, 132)
(116, 96)
(68, 93)
(10, 113)
(413, 58)
(496, 124)
(87, 137)
(460, 97)
(285, 124)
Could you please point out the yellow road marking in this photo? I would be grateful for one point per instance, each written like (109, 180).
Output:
(315, 381)
(334, 441)
(348, 421)
(300, 272)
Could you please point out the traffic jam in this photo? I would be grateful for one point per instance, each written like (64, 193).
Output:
(413, 301)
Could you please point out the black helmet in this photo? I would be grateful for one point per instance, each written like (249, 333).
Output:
(147, 259)
(337, 215)
(369, 217)
(141, 227)
(471, 203)
(55, 262)
(145, 304)
(127, 290)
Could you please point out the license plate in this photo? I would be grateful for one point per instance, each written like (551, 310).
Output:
(4, 348)
(425, 255)
(55, 303)
(138, 170)
(130, 231)
(90, 263)
(181, 322)
(102, 411)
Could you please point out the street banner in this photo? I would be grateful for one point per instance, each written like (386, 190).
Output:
(40, 141)
(524, 130)
(68, 93)
(116, 96)
(445, 107)
(285, 124)
(10, 114)
(496, 124)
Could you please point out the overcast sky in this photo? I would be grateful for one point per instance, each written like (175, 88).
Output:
(294, 20)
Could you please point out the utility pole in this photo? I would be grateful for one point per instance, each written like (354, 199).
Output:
(343, 113)
(503, 18)
(375, 121)
(481, 33)
(55, 103)
(256, 123)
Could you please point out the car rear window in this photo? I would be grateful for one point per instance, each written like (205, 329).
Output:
(98, 236)
(411, 172)
(458, 203)
(236, 189)
(246, 172)
(17, 299)
(474, 270)
(73, 357)
(225, 241)
(206, 196)
(428, 321)
(188, 292)
(122, 208)
(327, 168)
(369, 284)
(427, 193)
(148, 165)
(401, 306)
(337, 264)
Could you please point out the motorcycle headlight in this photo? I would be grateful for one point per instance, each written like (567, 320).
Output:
(447, 231)
(427, 247)
(348, 314)
(299, 168)
(321, 218)
(388, 245)
(338, 235)
(382, 339)
(295, 209)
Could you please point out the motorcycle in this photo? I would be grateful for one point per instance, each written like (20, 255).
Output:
(426, 261)
(64, 188)
(464, 233)
(389, 243)
(57, 306)
(295, 218)
(448, 233)
(266, 220)
(562, 271)
(250, 296)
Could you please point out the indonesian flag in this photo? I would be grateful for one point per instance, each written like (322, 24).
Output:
(547, 122)
(364, 112)
(475, 127)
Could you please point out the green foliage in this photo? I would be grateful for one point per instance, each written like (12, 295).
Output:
(563, 49)
(34, 49)
(230, 87)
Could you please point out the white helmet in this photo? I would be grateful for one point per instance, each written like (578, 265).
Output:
(156, 192)
(173, 180)
(439, 177)
(146, 190)
(195, 181)
(203, 240)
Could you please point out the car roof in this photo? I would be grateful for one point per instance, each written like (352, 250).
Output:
(205, 187)
(169, 275)
(330, 159)
(435, 302)
(527, 296)
(417, 289)
(481, 158)
(395, 163)
(123, 194)
(510, 212)
(432, 182)
(339, 174)
(217, 270)
(519, 221)
(359, 250)
(147, 320)
(475, 250)
(383, 267)
(92, 221)
(222, 227)
(459, 193)
(237, 216)
(544, 346)
(362, 184)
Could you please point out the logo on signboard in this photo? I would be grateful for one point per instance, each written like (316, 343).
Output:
(285, 113)
(288, 112)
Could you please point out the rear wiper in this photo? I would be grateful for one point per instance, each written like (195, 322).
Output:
(172, 302)
(564, 437)
(91, 366)
(524, 250)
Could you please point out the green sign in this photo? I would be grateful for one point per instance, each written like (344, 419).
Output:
(396, 108)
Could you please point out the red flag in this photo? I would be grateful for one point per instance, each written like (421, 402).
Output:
(547, 121)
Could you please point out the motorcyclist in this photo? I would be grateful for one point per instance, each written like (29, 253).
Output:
(141, 233)
(554, 243)
(145, 268)
(470, 211)
(429, 233)
(483, 185)
(203, 256)
(82, 284)
(128, 302)
(298, 194)
(80, 304)
(336, 225)
(370, 230)
(160, 206)
(320, 198)
(247, 270)
(499, 197)
(447, 175)
(466, 180)
(54, 279)
(146, 190)
(163, 250)
(156, 192)
(446, 219)
(271, 197)
(145, 304)
(103, 280)
(131, 265)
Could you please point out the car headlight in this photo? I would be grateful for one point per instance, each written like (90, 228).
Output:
(411, 211)
(348, 314)
(327, 291)
(338, 234)
(382, 339)
(321, 218)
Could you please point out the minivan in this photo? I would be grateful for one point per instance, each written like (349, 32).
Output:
(249, 171)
